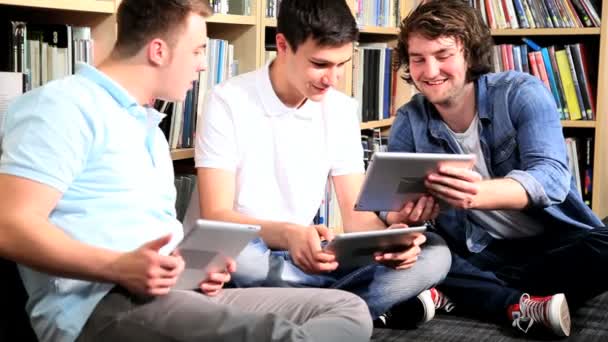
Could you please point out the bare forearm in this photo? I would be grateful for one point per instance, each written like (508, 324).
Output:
(38, 244)
(273, 233)
(502, 193)
(360, 221)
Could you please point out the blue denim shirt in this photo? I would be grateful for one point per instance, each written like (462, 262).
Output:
(521, 138)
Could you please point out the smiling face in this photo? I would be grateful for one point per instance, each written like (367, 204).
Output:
(186, 59)
(313, 69)
(438, 68)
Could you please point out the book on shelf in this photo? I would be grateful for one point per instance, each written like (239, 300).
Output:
(236, 7)
(44, 52)
(11, 86)
(564, 71)
(374, 81)
(378, 13)
(514, 14)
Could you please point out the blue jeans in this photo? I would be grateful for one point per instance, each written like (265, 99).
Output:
(381, 287)
(569, 261)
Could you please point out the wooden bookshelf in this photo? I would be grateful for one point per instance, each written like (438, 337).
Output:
(232, 19)
(182, 153)
(391, 31)
(547, 32)
(98, 6)
(579, 123)
(377, 124)
(600, 162)
(269, 22)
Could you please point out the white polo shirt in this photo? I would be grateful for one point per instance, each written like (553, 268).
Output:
(281, 156)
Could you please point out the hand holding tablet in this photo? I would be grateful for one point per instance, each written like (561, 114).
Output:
(207, 246)
(358, 249)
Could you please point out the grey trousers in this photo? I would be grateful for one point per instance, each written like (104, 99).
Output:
(253, 314)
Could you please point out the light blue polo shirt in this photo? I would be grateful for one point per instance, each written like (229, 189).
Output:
(87, 137)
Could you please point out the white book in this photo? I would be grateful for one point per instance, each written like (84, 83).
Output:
(512, 14)
(11, 86)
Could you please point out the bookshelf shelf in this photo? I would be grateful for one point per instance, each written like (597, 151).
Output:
(579, 124)
(270, 22)
(547, 32)
(232, 19)
(377, 124)
(392, 31)
(99, 6)
(182, 153)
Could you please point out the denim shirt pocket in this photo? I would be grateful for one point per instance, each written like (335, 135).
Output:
(504, 156)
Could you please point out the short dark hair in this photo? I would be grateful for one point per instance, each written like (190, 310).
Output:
(328, 22)
(448, 18)
(142, 20)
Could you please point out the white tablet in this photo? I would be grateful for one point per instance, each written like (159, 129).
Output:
(357, 249)
(393, 178)
(206, 247)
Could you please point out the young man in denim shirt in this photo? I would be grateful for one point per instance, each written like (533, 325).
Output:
(517, 227)
(88, 206)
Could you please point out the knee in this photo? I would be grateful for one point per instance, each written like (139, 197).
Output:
(351, 307)
(437, 255)
(251, 266)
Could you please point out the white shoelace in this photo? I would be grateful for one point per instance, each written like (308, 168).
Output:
(530, 311)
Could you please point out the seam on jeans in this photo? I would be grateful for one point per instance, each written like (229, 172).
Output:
(346, 279)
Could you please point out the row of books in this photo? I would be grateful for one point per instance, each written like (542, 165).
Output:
(563, 71)
(373, 141)
(44, 52)
(374, 81)
(514, 14)
(11, 86)
(237, 7)
(180, 124)
(580, 163)
(272, 8)
(381, 13)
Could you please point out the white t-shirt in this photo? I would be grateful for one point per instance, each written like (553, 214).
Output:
(281, 156)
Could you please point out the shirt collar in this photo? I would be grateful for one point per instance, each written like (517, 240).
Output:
(273, 106)
(120, 94)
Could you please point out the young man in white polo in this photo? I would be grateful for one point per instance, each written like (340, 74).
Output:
(268, 140)
(88, 206)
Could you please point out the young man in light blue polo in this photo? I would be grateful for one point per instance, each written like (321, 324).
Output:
(87, 206)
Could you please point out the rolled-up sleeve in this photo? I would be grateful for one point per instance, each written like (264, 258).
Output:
(544, 172)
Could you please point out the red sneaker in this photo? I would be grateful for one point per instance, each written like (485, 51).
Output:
(551, 311)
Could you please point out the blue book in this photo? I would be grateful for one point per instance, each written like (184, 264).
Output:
(552, 81)
(531, 44)
(521, 14)
(525, 64)
(386, 97)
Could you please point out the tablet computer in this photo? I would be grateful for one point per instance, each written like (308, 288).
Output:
(206, 247)
(393, 178)
(357, 249)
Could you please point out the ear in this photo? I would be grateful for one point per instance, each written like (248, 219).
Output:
(158, 52)
(282, 44)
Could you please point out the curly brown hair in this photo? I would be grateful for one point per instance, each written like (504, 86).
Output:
(448, 18)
